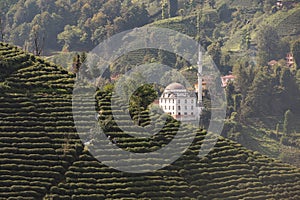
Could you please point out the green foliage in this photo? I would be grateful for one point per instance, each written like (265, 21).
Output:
(230, 94)
(77, 24)
(296, 53)
(244, 77)
(267, 43)
(225, 13)
(287, 122)
(173, 7)
(37, 113)
(246, 40)
(268, 4)
(214, 50)
(164, 8)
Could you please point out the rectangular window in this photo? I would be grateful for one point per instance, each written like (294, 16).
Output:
(185, 107)
(185, 113)
(192, 107)
(185, 101)
(192, 113)
(192, 100)
(173, 108)
(178, 101)
(179, 107)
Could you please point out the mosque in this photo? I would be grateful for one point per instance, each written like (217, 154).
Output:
(183, 104)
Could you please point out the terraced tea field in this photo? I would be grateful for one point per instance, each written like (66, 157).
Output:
(42, 156)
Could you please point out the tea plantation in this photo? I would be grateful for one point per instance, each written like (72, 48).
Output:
(42, 156)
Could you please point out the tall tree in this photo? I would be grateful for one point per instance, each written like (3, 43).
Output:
(287, 122)
(164, 9)
(268, 44)
(214, 50)
(173, 7)
(296, 53)
(38, 38)
(257, 103)
(1, 29)
(244, 74)
(225, 14)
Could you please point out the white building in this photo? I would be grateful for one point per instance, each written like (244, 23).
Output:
(180, 103)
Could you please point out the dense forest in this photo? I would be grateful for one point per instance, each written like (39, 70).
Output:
(68, 25)
(80, 25)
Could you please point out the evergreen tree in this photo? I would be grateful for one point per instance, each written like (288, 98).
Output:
(268, 44)
(243, 74)
(296, 53)
(214, 50)
(229, 97)
(257, 103)
(237, 102)
(298, 79)
(287, 122)
(229, 94)
(173, 7)
(164, 10)
(225, 14)
(76, 63)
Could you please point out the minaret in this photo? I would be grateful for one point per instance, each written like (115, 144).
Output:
(199, 74)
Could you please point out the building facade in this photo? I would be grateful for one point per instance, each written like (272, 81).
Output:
(290, 60)
(180, 103)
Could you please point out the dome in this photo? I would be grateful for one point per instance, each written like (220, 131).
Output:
(175, 86)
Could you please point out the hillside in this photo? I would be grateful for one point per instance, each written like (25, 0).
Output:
(228, 30)
(43, 157)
